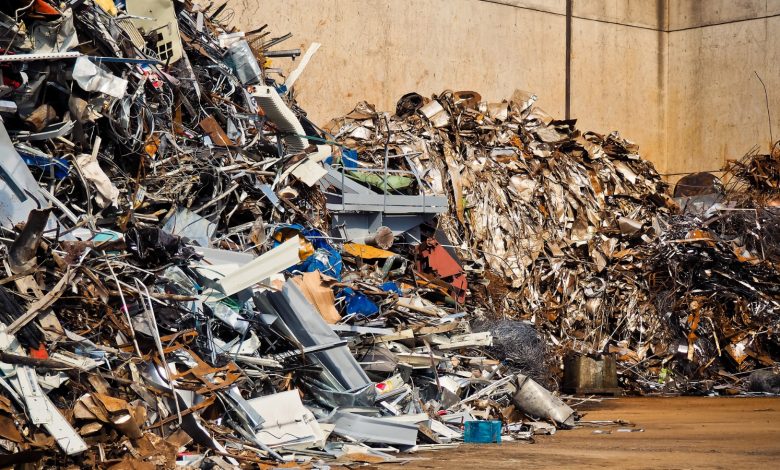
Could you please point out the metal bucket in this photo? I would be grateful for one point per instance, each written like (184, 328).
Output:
(535, 400)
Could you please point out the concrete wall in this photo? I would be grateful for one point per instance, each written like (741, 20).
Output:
(619, 75)
(675, 76)
(716, 106)
(378, 50)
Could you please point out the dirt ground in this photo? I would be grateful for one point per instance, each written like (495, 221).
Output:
(679, 433)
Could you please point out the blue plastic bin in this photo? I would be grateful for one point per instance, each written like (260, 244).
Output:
(482, 432)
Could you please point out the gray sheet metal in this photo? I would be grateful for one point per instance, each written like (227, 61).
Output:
(247, 412)
(39, 407)
(355, 196)
(358, 211)
(376, 430)
(55, 130)
(281, 115)
(188, 224)
(311, 330)
(55, 36)
(341, 372)
(19, 193)
(336, 399)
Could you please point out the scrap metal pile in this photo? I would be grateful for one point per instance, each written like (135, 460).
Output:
(195, 274)
(756, 175)
(576, 233)
(715, 271)
(715, 283)
(170, 293)
(551, 216)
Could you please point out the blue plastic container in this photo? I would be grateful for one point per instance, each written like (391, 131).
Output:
(482, 432)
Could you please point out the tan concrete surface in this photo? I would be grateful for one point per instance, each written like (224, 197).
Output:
(678, 433)
(618, 83)
(379, 50)
(695, 13)
(643, 13)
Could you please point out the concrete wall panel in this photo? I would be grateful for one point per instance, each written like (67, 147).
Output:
(684, 14)
(379, 50)
(618, 83)
(649, 14)
(716, 105)
(552, 6)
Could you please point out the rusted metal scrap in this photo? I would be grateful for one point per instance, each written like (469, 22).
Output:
(171, 290)
(553, 215)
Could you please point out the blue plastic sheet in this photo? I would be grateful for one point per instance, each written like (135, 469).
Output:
(325, 258)
(357, 303)
(391, 286)
(349, 158)
(60, 165)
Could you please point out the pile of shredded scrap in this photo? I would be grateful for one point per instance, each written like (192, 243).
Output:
(714, 281)
(575, 233)
(548, 219)
(756, 174)
(713, 273)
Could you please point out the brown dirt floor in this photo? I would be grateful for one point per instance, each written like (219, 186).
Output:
(679, 433)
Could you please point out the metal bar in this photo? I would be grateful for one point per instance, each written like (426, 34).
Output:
(569, 10)
(283, 53)
(41, 56)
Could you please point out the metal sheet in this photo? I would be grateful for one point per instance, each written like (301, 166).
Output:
(258, 270)
(186, 223)
(41, 56)
(287, 422)
(55, 36)
(245, 408)
(39, 407)
(376, 430)
(283, 117)
(310, 329)
(90, 77)
(19, 193)
(342, 380)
